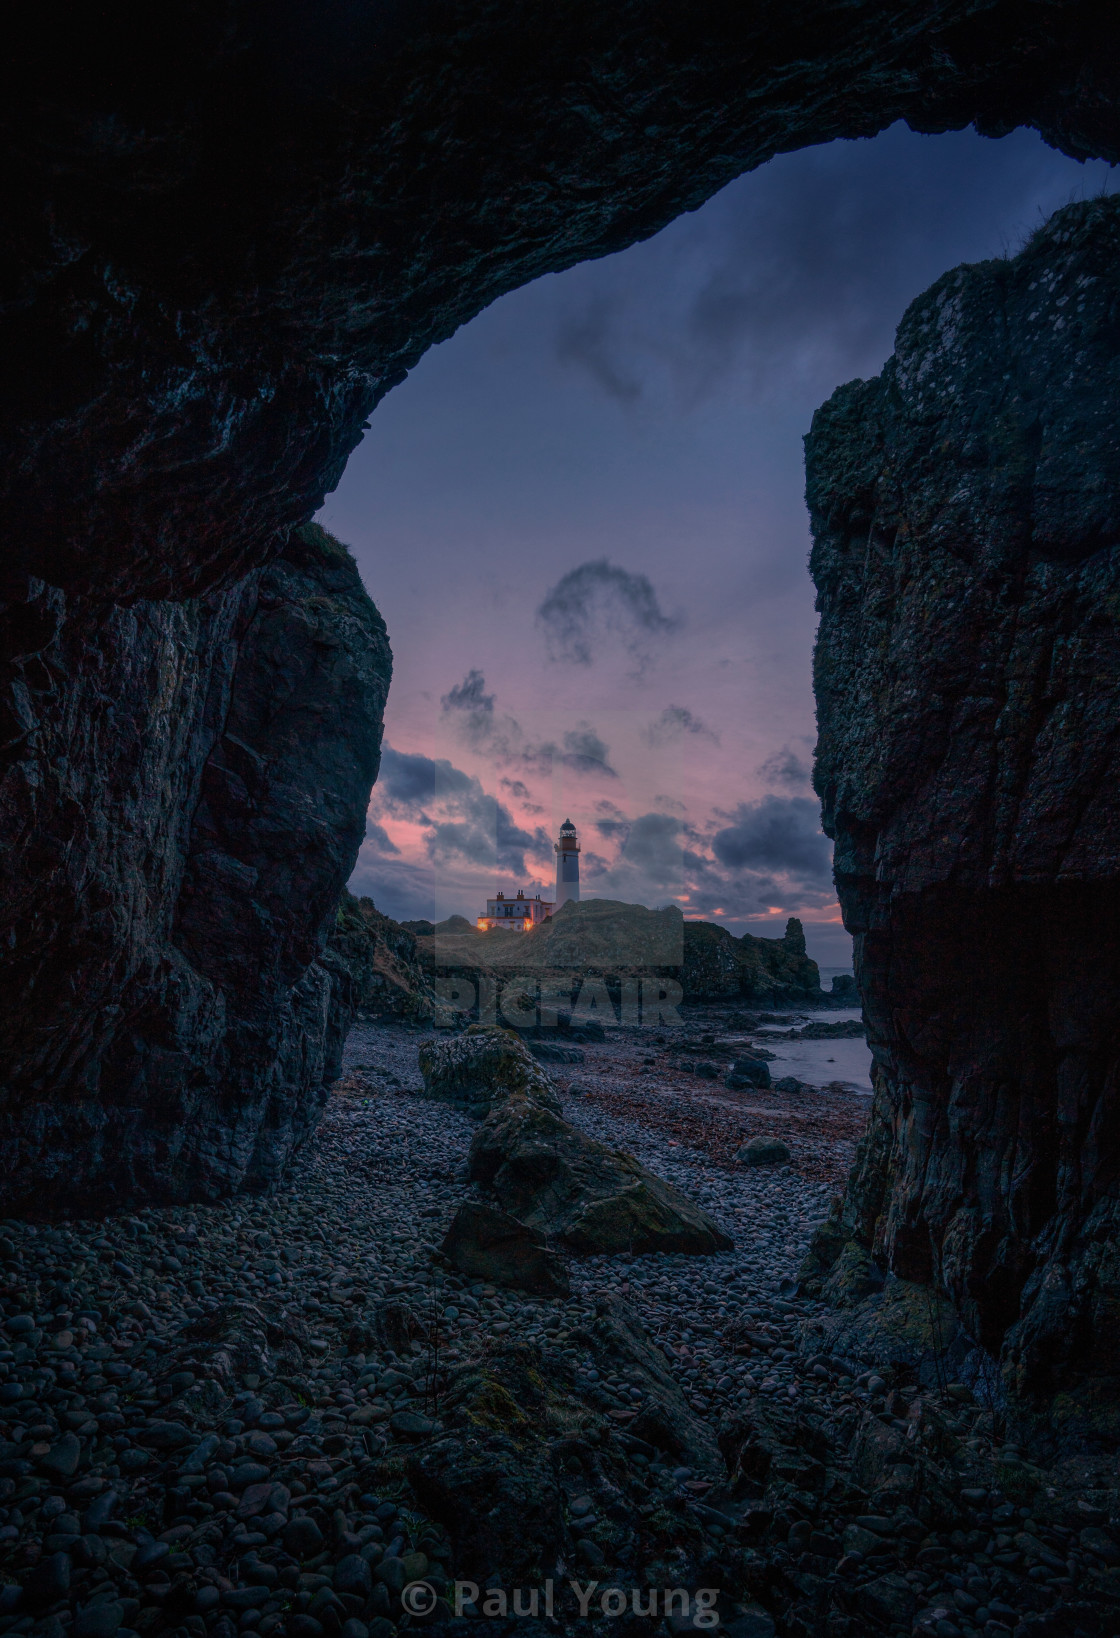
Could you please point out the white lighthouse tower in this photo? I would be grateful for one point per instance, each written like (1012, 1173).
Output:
(567, 865)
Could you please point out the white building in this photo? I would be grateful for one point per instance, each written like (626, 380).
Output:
(517, 914)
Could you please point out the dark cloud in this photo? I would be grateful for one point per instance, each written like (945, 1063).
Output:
(471, 710)
(797, 274)
(521, 794)
(786, 768)
(585, 752)
(586, 339)
(771, 853)
(400, 889)
(648, 867)
(406, 783)
(653, 846)
(674, 723)
(501, 738)
(469, 695)
(461, 819)
(378, 838)
(781, 835)
(598, 605)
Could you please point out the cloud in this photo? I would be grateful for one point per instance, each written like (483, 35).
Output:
(795, 276)
(501, 738)
(785, 767)
(521, 794)
(378, 838)
(653, 846)
(397, 887)
(469, 695)
(771, 852)
(598, 605)
(648, 867)
(586, 339)
(461, 819)
(585, 752)
(779, 834)
(471, 710)
(674, 723)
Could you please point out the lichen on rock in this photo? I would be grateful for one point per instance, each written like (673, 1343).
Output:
(482, 1068)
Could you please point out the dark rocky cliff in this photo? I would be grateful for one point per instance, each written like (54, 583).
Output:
(183, 796)
(776, 972)
(966, 517)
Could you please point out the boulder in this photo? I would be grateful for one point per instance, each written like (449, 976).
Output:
(853, 1276)
(902, 1329)
(487, 1244)
(549, 1052)
(750, 1071)
(483, 1067)
(521, 1416)
(763, 1151)
(592, 1199)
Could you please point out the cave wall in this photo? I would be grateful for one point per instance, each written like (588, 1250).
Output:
(229, 230)
(966, 520)
(183, 796)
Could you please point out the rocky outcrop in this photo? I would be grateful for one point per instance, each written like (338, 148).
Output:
(775, 972)
(482, 1068)
(624, 944)
(183, 800)
(966, 518)
(486, 1244)
(375, 966)
(546, 1174)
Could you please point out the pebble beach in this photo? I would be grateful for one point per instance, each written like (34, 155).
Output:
(199, 1420)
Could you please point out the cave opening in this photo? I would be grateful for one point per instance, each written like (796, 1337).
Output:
(626, 438)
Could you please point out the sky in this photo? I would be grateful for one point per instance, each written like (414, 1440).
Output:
(582, 518)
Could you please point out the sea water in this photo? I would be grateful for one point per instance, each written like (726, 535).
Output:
(819, 1062)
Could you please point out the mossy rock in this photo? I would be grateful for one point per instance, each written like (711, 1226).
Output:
(484, 1067)
(592, 1199)
(905, 1330)
(486, 1244)
(853, 1277)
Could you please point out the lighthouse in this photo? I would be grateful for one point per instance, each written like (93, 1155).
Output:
(567, 865)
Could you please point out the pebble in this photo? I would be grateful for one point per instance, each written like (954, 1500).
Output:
(125, 1463)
